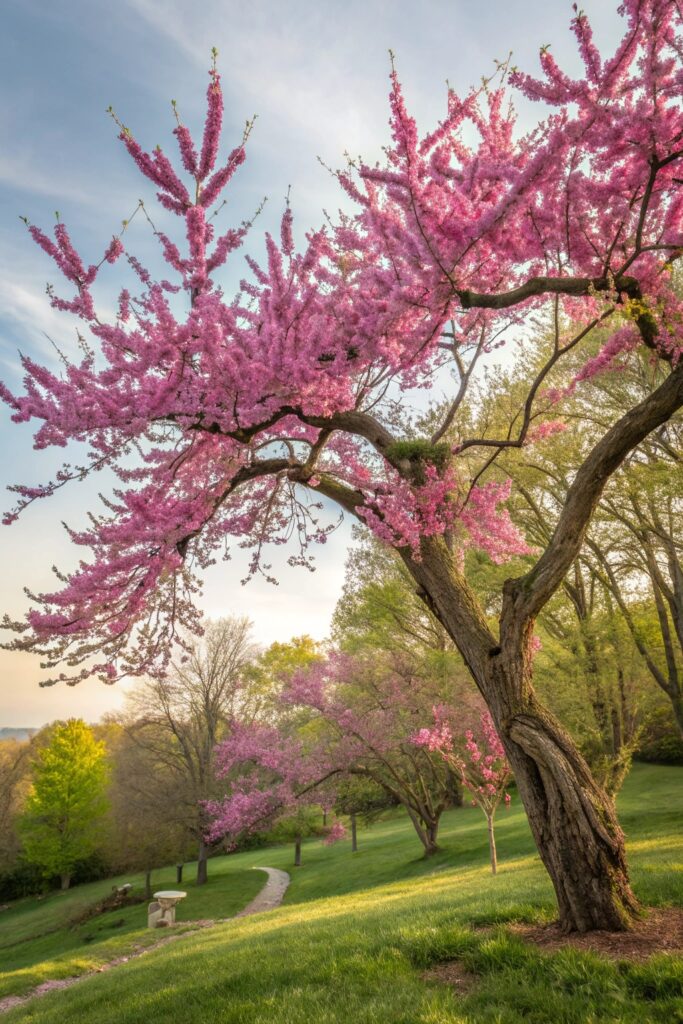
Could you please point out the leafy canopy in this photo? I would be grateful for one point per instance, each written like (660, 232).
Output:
(62, 820)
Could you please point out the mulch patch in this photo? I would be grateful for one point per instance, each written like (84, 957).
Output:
(659, 931)
(453, 974)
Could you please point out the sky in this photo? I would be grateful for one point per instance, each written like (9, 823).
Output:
(316, 74)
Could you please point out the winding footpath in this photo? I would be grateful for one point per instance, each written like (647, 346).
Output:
(270, 897)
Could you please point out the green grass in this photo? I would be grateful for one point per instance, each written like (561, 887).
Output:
(39, 941)
(356, 933)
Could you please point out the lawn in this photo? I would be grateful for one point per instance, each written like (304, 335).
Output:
(39, 941)
(357, 931)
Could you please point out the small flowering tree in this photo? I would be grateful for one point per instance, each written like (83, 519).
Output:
(359, 723)
(481, 765)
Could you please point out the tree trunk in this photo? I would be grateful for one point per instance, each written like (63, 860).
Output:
(677, 703)
(178, 874)
(202, 863)
(455, 790)
(354, 834)
(297, 853)
(432, 833)
(572, 819)
(324, 818)
(426, 831)
(65, 881)
(492, 844)
(148, 884)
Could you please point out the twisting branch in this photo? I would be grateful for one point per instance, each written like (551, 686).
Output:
(525, 596)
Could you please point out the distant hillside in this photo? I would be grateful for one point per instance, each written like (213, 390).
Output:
(6, 733)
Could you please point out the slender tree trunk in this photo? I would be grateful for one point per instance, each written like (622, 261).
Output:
(492, 844)
(324, 818)
(677, 704)
(432, 833)
(297, 853)
(426, 832)
(202, 863)
(148, 884)
(354, 834)
(573, 821)
(455, 790)
(178, 874)
(65, 881)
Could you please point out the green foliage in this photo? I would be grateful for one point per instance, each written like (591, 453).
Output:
(661, 742)
(265, 676)
(304, 822)
(421, 451)
(61, 822)
(363, 797)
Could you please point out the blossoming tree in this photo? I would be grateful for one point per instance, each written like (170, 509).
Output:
(240, 406)
(347, 720)
(482, 766)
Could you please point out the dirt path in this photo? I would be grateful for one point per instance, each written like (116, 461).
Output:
(269, 898)
(271, 894)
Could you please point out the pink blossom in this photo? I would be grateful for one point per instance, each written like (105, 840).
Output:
(114, 250)
(247, 410)
(336, 832)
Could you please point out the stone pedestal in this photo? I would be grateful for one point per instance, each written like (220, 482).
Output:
(161, 912)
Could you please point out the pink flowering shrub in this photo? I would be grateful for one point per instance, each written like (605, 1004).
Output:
(335, 833)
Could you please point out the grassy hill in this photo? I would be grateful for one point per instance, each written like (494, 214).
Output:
(357, 931)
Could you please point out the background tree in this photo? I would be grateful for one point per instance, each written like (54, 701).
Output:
(15, 759)
(353, 718)
(620, 598)
(64, 812)
(270, 670)
(178, 719)
(361, 798)
(481, 764)
(244, 405)
(380, 609)
(145, 829)
(295, 824)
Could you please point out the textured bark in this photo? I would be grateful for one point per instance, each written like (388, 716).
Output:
(65, 881)
(573, 822)
(572, 819)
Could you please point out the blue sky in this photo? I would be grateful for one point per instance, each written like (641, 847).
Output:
(316, 75)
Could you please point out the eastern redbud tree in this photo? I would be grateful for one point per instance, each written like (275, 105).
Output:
(237, 407)
(343, 719)
(480, 762)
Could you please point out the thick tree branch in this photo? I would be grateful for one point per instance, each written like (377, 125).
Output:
(524, 597)
(536, 286)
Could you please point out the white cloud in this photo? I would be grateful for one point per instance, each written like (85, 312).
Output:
(28, 308)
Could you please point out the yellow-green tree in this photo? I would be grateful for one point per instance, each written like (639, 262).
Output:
(64, 810)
